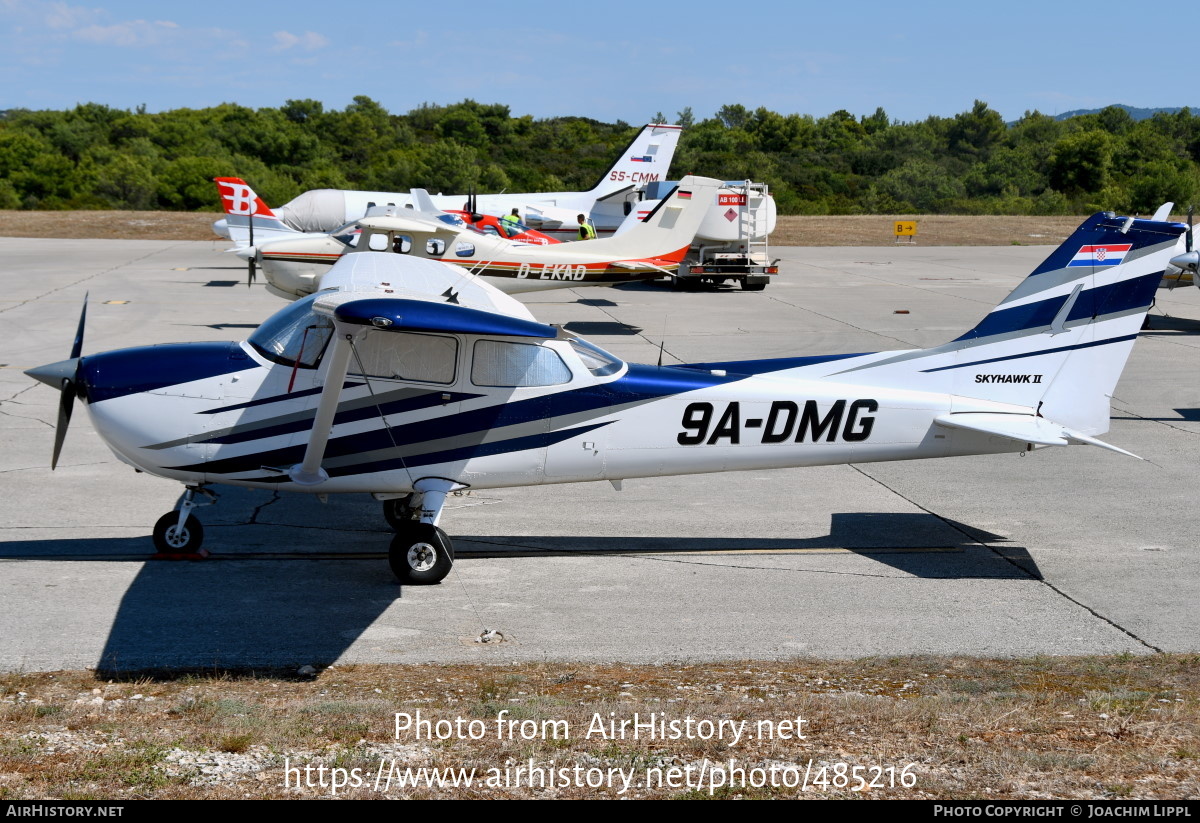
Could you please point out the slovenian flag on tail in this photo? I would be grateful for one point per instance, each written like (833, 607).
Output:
(643, 159)
(1110, 255)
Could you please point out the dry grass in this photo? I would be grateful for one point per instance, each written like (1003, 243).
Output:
(1111, 727)
(932, 230)
(109, 225)
(854, 230)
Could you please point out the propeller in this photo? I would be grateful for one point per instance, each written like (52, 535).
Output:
(251, 261)
(1190, 260)
(473, 205)
(64, 376)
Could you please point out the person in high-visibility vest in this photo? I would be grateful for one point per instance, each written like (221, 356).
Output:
(586, 232)
(511, 223)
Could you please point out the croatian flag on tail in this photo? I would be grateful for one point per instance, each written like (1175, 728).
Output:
(1110, 255)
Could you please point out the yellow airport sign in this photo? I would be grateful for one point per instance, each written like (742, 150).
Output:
(906, 228)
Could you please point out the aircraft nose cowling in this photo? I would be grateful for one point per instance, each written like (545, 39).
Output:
(122, 372)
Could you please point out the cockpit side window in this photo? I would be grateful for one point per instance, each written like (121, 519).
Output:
(294, 336)
(516, 365)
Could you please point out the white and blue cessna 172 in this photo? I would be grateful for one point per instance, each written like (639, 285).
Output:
(409, 379)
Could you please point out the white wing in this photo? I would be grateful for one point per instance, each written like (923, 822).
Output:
(380, 274)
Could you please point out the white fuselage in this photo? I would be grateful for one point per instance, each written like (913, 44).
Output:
(243, 426)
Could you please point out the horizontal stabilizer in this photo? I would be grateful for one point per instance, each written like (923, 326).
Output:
(1025, 428)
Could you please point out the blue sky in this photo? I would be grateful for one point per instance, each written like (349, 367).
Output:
(607, 60)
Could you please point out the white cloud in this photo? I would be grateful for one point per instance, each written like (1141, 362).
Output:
(309, 41)
(128, 33)
(63, 16)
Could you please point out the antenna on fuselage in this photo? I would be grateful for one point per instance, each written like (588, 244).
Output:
(662, 341)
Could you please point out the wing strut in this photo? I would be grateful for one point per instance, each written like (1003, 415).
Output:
(309, 472)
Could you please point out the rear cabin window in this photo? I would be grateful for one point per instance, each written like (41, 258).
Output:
(516, 365)
(424, 358)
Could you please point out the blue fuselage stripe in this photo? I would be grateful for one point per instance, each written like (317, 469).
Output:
(640, 383)
(1035, 353)
(1124, 295)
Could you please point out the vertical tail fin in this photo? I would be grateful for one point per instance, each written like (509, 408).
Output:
(242, 206)
(646, 160)
(668, 230)
(1058, 343)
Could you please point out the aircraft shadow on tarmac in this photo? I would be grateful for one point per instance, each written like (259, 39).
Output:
(1166, 323)
(260, 606)
(596, 328)
(1184, 415)
(916, 543)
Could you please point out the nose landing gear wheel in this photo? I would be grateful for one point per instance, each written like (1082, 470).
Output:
(421, 554)
(171, 539)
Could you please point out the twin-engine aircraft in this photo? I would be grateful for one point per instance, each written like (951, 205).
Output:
(645, 160)
(294, 263)
(408, 379)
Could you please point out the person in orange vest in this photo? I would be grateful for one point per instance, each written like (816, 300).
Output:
(586, 232)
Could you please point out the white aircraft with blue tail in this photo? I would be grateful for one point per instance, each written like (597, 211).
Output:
(410, 379)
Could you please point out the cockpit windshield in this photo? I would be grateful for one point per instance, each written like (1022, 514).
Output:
(597, 360)
(348, 234)
(294, 335)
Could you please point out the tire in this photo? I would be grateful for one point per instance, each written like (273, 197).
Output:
(421, 555)
(397, 513)
(168, 538)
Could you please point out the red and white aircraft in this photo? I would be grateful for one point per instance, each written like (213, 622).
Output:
(294, 262)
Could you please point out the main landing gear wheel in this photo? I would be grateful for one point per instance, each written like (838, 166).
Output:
(421, 554)
(170, 538)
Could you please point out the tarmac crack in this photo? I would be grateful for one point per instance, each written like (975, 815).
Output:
(1013, 562)
(91, 276)
(13, 399)
(25, 417)
(840, 321)
(649, 556)
(941, 292)
(1160, 421)
(660, 344)
(275, 498)
(64, 465)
